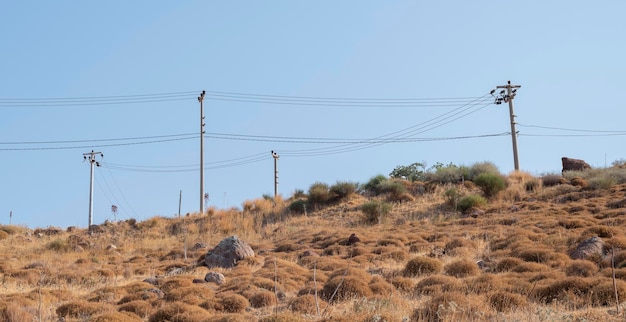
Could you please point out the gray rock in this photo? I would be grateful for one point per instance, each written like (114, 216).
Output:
(214, 277)
(228, 253)
(589, 248)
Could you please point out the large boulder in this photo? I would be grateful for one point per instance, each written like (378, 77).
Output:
(228, 253)
(589, 249)
(570, 164)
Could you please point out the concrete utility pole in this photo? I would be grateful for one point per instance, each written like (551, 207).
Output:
(202, 124)
(276, 157)
(507, 95)
(91, 157)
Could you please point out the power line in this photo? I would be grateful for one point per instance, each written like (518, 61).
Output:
(98, 140)
(96, 100)
(98, 145)
(568, 129)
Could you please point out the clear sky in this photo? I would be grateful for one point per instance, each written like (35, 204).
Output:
(308, 79)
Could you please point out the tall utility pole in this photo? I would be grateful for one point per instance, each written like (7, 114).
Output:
(91, 157)
(507, 94)
(202, 124)
(276, 157)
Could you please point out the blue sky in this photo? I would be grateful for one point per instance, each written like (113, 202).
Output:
(256, 60)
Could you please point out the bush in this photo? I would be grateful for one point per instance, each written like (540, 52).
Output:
(263, 298)
(437, 284)
(297, 206)
(449, 174)
(549, 180)
(482, 167)
(452, 196)
(319, 193)
(412, 172)
(490, 183)
(342, 190)
(345, 288)
(462, 268)
(375, 211)
(503, 301)
(582, 268)
(372, 186)
(232, 302)
(422, 265)
(471, 201)
(306, 304)
(58, 245)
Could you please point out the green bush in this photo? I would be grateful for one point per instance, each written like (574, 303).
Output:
(449, 174)
(299, 193)
(452, 196)
(471, 201)
(297, 206)
(319, 193)
(412, 172)
(372, 186)
(58, 245)
(375, 211)
(394, 188)
(482, 167)
(342, 190)
(490, 183)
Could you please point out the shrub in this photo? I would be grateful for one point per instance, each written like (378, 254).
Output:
(452, 196)
(345, 288)
(298, 193)
(297, 206)
(506, 264)
(395, 189)
(319, 193)
(471, 201)
(549, 180)
(537, 255)
(490, 183)
(58, 245)
(142, 309)
(116, 317)
(574, 289)
(532, 185)
(461, 268)
(412, 172)
(449, 174)
(503, 301)
(232, 302)
(263, 298)
(449, 306)
(375, 211)
(582, 268)
(422, 265)
(437, 284)
(603, 292)
(306, 304)
(372, 186)
(482, 167)
(78, 309)
(342, 190)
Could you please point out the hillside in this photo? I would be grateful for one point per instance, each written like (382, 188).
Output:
(416, 258)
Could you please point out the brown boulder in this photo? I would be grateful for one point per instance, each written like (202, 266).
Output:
(570, 164)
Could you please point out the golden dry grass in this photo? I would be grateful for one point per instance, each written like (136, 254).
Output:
(424, 262)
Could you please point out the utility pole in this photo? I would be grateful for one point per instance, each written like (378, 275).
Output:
(202, 124)
(91, 157)
(276, 157)
(507, 94)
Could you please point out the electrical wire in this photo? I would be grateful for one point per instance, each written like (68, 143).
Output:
(95, 100)
(99, 140)
(571, 130)
(97, 145)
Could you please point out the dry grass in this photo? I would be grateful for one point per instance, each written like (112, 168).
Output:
(420, 263)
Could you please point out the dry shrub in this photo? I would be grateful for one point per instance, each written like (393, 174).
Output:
(176, 282)
(603, 292)
(193, 295)
(569, 223)
(142, 309)
(571, 291)
(579, 182)
(537, 255)
(503, 301)
(230, 317)
(306, 304)
(263, 298)
(116, 317)
(484, 284)
(530, 267)
(232, 302)
(175, 312)
(78, 309)
(15, 312)
(459, 242)
(600, 231)
(506, 264)
(550, 180)
(3, 235)
(437, 284)
(404, 284)
(422, 265)
(462, 268)
(345, 288)
(449, 306)
(380, 287)
(582, 268)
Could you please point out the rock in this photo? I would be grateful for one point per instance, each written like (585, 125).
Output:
(111, 247)
(214, 277)
(589, 249)
(156, 291)
(228, 253)
(353, 239)
(152, 280)
(574, 164)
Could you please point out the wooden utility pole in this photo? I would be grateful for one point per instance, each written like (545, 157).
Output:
(507, 95)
